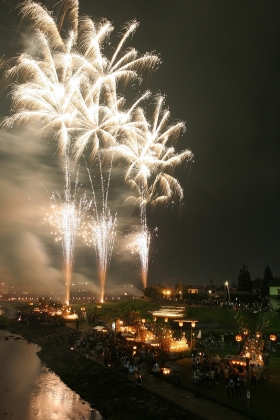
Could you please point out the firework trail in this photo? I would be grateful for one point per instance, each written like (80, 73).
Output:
(101, 230)
(143, 241)
(68, 215)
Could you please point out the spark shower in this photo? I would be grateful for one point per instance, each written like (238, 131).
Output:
(64, 84)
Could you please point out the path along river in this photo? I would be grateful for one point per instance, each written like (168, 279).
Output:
(29, 391)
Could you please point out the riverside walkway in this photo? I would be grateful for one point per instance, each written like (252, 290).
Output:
(201, 407)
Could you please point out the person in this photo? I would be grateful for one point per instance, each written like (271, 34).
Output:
(226, 374)
(143, 368)
(135, 370)
(78, 344)
(230, 386)
(254, 375)
(177, 380)
(195, 377)
(176, 369)
(156, 370)
(237, 386)
(193, 362)
(126, 367)
(218, 374)
(212, 376)
(139, 380)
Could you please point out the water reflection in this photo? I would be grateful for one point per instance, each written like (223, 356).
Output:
(51, 400)
(29, 391)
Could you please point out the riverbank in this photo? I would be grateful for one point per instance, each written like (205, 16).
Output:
(200, 402)
(31, 391)
(106, 390)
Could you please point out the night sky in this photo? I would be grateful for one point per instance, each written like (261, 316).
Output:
(220, 74)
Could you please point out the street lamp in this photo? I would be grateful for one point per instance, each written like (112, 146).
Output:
(226, 283)
(181, 325)
(192, 326)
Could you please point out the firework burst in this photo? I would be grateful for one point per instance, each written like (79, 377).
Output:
(151, 161)
(69, 89)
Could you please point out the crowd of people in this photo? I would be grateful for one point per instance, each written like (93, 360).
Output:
(134, 361)
(219, 371)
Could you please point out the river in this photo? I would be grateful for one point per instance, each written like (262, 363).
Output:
(30, 391)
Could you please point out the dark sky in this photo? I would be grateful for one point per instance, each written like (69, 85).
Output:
(220, 73)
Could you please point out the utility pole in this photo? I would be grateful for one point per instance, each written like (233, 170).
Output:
(226, 281)
(224, 263)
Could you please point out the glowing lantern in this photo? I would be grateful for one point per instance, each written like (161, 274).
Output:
(166, 319)
(238, 337)
(181, 323)
(193, 324)
(272, 337)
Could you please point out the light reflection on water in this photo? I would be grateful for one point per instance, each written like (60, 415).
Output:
(29, 391)
(52, 399)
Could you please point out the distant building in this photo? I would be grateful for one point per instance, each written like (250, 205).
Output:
(193, 290)
(274, 288)
(4, 289)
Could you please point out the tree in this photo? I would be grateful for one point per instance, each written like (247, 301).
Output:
(267, 276)
(130, 315)
(244, 280)
(153, 292)
(257, 286)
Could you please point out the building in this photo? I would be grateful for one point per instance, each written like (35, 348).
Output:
(274, 292)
